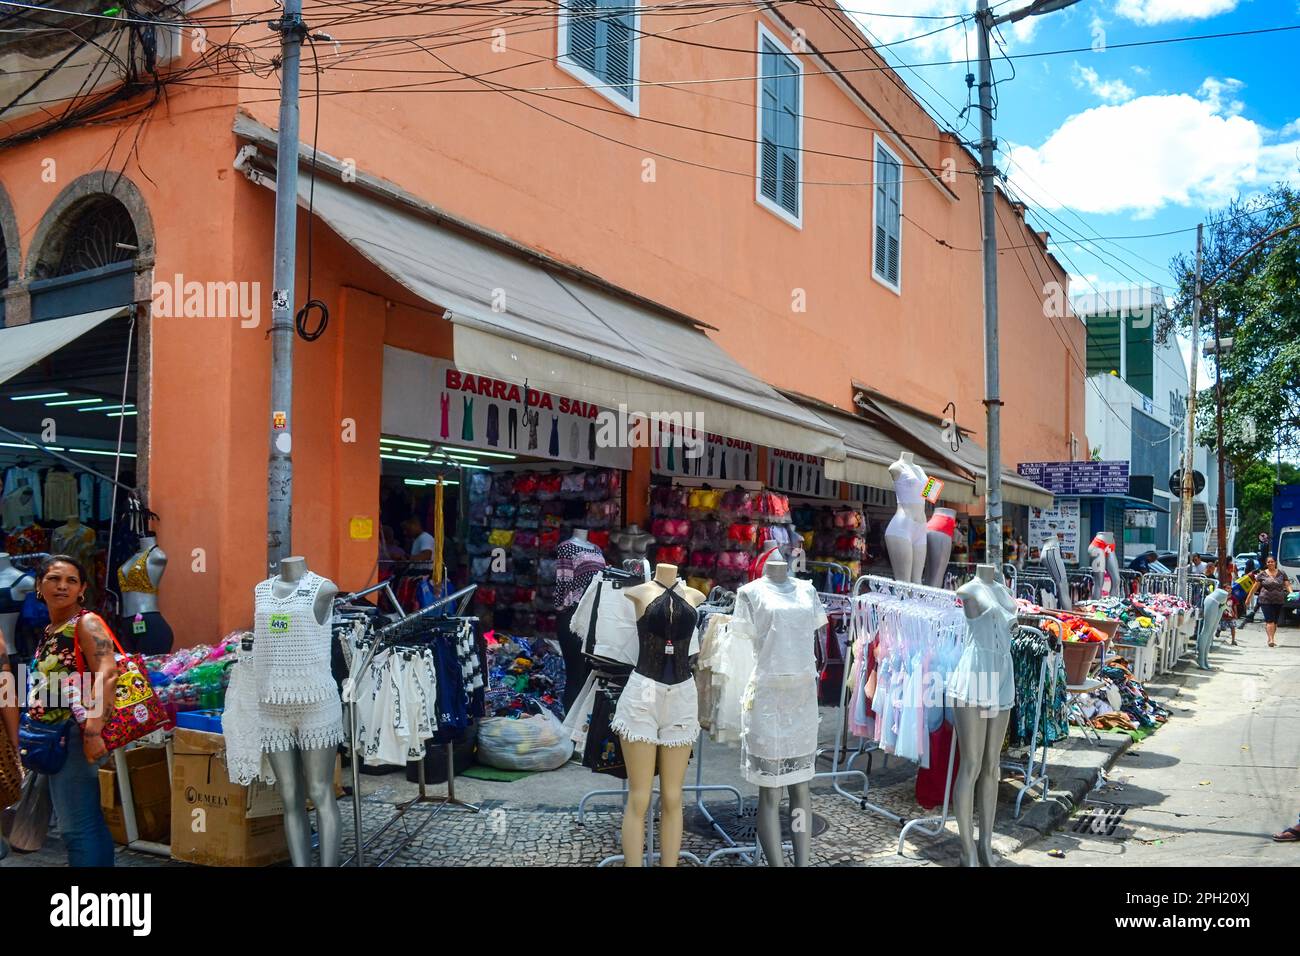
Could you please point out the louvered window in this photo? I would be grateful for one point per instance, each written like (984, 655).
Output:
(779, 156)
(887, 241)
(601, 39)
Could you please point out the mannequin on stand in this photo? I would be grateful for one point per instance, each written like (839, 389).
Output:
(15, 585)
(1104, 564)
(1050, 558)
(300, 713)
(633, 544)
(905, 540)
(657, 716)
(938, 545)
(982, 692)
(141, 627)
(779, 721)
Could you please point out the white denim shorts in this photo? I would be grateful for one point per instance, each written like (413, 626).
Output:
(666, 715)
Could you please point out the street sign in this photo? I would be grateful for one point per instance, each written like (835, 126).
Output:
(1176, 483)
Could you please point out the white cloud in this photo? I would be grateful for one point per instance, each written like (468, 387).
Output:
(1214, 90)
(945, 44)
(1151, 152)
(1109, 91)
(1151, 12)
(1141, 71)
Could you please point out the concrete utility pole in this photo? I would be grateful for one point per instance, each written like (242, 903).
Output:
(988, 198)
(1189, 489)
(1221, 516)
(279, 472)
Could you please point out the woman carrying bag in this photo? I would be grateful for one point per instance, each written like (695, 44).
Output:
(77, 643)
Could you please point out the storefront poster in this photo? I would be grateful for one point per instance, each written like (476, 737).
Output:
(431, 399)
(1060, 522)
(801, 475)
(720, 458)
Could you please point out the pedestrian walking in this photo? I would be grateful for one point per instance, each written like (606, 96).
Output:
(1274, 586)
(1289, 835)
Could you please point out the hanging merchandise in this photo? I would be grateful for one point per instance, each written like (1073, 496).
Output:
(1027, 653)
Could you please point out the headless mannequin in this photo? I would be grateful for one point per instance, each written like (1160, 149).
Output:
(20, 585)
(1052, 562)
(979, 734)
(771, 551)
(641, 757)
(139, 602)
(1104, 563)
(632, 542)
(303, 774)
(769, 798)
(938, 545)
(905, 540)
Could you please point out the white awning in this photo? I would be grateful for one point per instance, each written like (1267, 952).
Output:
(521, 319)
(22, 346)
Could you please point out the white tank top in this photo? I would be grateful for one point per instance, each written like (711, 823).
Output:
(291, 651)
(908, 487)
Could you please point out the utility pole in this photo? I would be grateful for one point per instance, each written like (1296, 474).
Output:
(1189, 489)
(992, 385)
(279, 476)
(1221, 516)
(988, 198)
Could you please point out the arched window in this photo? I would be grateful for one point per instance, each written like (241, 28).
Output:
(87, 261)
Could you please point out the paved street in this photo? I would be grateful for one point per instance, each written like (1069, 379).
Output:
(1217, 780)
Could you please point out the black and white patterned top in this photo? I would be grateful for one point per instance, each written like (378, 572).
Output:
(576, 563)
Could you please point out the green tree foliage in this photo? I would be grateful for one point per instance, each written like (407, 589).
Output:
(1255, 498)
(1258, 303)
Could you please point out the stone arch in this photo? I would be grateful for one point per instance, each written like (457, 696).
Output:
(9, 235)
(55, 228)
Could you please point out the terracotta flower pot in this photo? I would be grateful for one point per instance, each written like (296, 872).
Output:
(1079, 656)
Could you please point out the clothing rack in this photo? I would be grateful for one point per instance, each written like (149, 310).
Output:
(1033, 769)
(1034, 582)
(409, 625)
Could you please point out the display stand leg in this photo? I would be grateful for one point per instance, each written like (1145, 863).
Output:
(129, 822)
(836, 774)
(939, 822)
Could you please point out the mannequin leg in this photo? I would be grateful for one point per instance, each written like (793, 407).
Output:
(801, 821)
(972, 732)
(990, 774)
(672, 774)
(318, 769)
(938, 549)
(769, 825)
(290, 781)
(918, 558)
(640, 759)
(899, 550)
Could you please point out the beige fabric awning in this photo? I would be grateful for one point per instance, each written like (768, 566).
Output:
(519, 318)
(22, 346)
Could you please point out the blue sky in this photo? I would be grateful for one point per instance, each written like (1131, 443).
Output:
(1120, 142)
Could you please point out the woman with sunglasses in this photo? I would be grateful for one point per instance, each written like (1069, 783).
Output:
(1273, 586)
(76, 643)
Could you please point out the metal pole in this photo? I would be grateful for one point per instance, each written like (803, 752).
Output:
(279, 477)
(992, 401)
(1185, 513)
(1222, 511)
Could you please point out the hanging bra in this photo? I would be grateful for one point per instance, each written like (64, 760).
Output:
(136, 580)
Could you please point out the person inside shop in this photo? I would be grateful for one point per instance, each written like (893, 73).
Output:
(1274, 586)
(421, 540)
(76, 640)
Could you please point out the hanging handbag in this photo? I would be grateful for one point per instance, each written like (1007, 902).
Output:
(136, 710)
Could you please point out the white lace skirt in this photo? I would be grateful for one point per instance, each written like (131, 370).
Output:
(778, 737)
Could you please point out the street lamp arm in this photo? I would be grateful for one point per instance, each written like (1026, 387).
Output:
(1035, 9)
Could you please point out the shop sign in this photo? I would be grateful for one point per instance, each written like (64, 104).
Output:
(477, 411)
(361, 528)
(798, 474)
(1082, 478)
(720, 458)
(1060, 522)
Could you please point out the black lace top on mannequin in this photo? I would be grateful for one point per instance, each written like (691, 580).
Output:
(664, 632)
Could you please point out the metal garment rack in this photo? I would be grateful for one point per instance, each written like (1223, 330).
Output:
(1034, 767)
(1035, 582)
(409, 624)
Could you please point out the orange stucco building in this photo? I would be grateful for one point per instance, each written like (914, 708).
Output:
(659, 197)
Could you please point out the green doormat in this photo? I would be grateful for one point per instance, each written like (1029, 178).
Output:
(481, 772)
(1138, 735)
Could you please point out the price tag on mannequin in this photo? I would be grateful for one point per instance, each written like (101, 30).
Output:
(279, 623)
(138, 625)
(933, 489)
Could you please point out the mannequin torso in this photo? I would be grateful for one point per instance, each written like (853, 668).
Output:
(138, 579)
(291, 572)
(905, 535)
(632, 542)
(15, 585)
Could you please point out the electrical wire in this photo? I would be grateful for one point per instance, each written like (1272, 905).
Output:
(312, 305)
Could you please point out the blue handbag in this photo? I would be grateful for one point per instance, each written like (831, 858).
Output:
(43, 747)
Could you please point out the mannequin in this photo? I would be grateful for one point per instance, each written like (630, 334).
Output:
(938, 545)
(15, 585)
(905, 534)
(981, 692)
(770, 551)
(300, 773)
(658, 719)
(577, 561)
(1052, 562)
(1104, 563)
(141, 626)
(776, 574)
(632, 542)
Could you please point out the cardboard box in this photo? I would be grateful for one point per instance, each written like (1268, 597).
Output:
(216, 822)
(151, 789)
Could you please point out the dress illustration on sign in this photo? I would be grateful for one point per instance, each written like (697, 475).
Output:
(512, 427)
(445, 401)
(591, 440)
(467, 423)
(532, 417)
(573, 441)
(724, 466)
(554, 446)
(710, 461)
(671, 464)
(493, 425)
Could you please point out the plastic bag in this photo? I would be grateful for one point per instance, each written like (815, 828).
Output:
(31, 814)
(526, 743)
